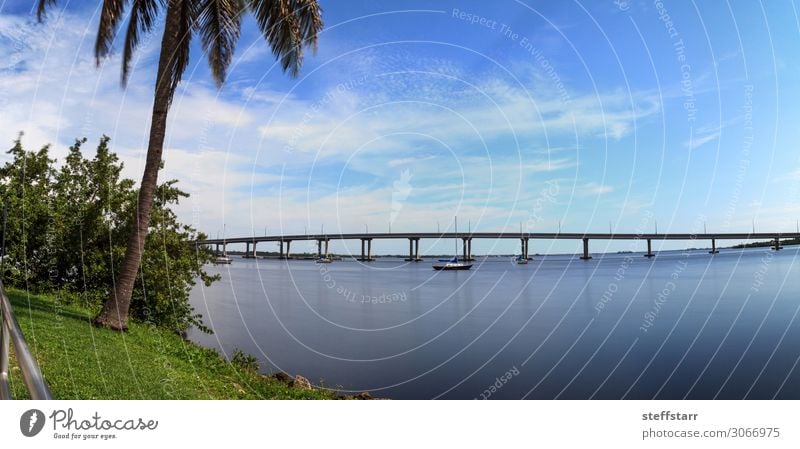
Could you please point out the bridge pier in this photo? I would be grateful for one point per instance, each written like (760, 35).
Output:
(466, 249)
(254, 249)
(247, 253)
(319, 249)
(649, 249)
(281, 254)
(713, 247)
(366, 256)
(777, 244)
(523, 243)
(327, 252)
(586, 255)
(413, 250)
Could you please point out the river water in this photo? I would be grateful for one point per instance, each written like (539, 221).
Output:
(682, 325)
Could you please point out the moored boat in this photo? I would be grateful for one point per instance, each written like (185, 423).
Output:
(452, 264)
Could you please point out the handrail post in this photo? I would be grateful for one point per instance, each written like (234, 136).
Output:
(5, 337)
(5, 389)
(31, 375)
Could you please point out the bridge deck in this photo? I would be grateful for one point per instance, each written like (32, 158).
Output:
(507, 235)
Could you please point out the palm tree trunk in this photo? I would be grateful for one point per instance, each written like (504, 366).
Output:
(115, 310)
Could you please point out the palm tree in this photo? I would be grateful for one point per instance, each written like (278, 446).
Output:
(288, 26)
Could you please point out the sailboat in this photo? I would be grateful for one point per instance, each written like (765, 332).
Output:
(326, 258)
(223, 260)
(453, 264)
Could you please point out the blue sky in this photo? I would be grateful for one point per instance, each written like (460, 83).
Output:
(592, 115)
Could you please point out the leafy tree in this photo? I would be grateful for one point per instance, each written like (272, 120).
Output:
(67, 226)
(25, 185)
(170, 267)
(288, 26)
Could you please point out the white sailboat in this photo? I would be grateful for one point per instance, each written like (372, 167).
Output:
(223, 259)
(453, 264)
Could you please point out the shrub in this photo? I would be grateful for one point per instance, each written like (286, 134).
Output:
(68, 226)
(244, 361)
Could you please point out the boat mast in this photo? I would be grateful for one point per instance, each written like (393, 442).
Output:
(455, 241)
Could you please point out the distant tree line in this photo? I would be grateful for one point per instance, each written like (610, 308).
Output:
(786, 242)
(67, 229)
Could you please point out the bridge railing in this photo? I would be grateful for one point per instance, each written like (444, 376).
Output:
(11, 333)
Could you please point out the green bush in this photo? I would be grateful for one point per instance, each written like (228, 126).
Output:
(244, 361)
(68, 225)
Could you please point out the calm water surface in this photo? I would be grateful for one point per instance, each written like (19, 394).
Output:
(682, 325)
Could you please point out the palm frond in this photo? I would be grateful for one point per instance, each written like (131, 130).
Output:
(309, 15)
(287, 25)
(41, 8)
(143, 16)
(110, 16)
(219, 25)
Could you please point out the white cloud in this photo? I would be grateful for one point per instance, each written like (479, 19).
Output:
(408, 160)
(550, 165)
(339, 123)
(698, 141)
(593, 188)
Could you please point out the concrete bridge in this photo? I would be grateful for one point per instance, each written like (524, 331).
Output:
(467, 237)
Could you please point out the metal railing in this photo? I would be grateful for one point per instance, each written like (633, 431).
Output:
(11, 333)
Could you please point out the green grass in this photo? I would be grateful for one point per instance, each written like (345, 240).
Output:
(83, 362)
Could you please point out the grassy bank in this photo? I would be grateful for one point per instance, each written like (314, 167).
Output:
(83, 362)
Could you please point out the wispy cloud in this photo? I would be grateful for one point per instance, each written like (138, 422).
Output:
(593, 188)
(480, 112)
(710, 132)
(549, 165)
(698, 141)
(408, 160)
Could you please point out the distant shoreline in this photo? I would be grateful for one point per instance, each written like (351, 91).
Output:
(768, 243)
